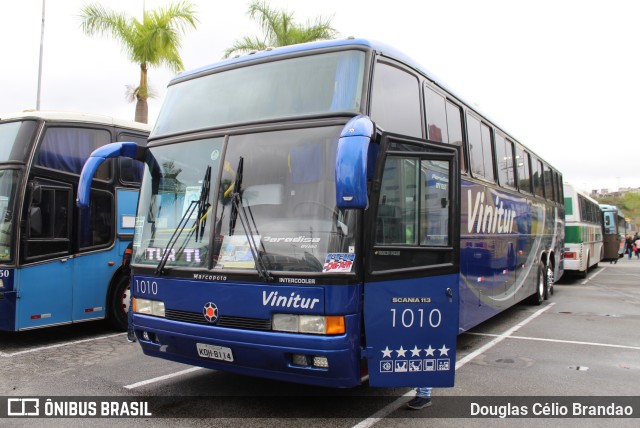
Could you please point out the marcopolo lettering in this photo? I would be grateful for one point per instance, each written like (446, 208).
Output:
(301, 238)
(294, 300)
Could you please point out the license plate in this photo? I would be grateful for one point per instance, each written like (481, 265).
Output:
(214, 352)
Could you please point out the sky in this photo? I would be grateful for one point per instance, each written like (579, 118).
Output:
(561, 76)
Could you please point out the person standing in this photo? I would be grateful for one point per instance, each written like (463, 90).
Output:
(628, 246)
(422, 398)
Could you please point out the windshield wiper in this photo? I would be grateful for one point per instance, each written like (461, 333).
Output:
(201, 204)
(238, 208)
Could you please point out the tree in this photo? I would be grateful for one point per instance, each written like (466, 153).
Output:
(153, 42)
(279, 29)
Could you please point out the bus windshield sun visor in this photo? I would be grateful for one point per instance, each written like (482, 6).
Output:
(201, 205)
(113, 150)
(238, 210)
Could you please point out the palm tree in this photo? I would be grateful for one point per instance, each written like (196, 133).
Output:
(280, 30)
(153, 42)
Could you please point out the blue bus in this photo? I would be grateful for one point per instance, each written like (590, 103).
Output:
(328, 212)
(60, 264)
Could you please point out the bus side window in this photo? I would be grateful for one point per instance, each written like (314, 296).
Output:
(454, 126)
(99, 218)
(524, 171)
(504, 156)
(480, 148)
(67, 149)
(548, 182)
(397, 217)
(131, 170)
(436, 116)
(538, 185)
(395, 101)
(49, 217)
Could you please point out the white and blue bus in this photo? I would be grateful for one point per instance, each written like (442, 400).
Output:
(613, 239)
(60, 264)
(315, 212)
(583, 231)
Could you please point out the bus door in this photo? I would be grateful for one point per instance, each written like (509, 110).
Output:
(411, 291)
(46, 280)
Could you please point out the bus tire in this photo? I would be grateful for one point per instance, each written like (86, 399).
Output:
(548, 281)
(119, 303)
(538, 296)
(583, 273)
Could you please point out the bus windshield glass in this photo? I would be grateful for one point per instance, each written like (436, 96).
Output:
(310, 85)
(9, 179)
(14, 138)
(284, 219)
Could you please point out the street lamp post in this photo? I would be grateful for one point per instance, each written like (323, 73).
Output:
(40, 63)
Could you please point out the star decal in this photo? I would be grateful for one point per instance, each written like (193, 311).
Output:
(444, 351)
(415, 352)
(386, 352)
(430, 351)
(401, 351)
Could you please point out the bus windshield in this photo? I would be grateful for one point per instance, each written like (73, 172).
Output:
(285, 215)
(14, 139)
(309, 85)
(9, 180)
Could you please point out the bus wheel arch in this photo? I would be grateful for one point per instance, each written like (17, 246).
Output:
(118, 299)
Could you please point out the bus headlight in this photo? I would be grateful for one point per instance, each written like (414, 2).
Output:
(148, 307)
(309, 324)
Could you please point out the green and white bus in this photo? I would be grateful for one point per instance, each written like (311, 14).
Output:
(583, 231)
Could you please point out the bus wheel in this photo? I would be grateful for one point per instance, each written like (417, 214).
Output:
(538, 297)
(548, 281)
(583, 273)
(119, 303)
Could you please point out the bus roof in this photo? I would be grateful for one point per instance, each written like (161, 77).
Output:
(75, 117)
(367, 44)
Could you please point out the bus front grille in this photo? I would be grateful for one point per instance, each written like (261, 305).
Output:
(223, 321)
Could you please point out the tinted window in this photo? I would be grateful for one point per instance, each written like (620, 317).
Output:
(504, 157)
(437, 129)
(403, 217)
(67, 149)
(454, 126)
(480, 150)
(548, 183)
(487, 152)
(130, 169)
(538, 186)
(524, 174)
(395, 103)
(49, 217)
(294, 87)
(15, 139)
(96, 222)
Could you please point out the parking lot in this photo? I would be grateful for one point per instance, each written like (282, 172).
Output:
(582, 345)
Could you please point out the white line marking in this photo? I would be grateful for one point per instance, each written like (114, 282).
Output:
(571, 342)
(42, 348)
(385, 411)
(593, 276)
(161, 378)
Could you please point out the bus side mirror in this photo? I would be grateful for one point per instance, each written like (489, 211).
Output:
(113, 150)
(352, 163)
